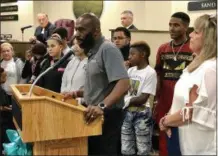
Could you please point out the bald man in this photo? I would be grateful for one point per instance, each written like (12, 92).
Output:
(44, 30)
(105, 85)
(127, 20)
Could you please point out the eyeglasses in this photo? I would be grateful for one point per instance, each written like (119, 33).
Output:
(118, 38)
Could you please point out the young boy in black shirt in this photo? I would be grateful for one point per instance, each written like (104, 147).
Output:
(6, 121)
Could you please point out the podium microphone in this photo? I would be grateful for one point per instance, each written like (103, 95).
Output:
(62, 60)
(26, 27)
(54, 66)
(23, 28)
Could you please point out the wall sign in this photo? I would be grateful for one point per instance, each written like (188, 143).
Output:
(202, 5)
(5, 36)
(9, 17)
(10, 8)
(8, 1)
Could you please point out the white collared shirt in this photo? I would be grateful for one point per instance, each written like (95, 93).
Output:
(43, 31)
(66, 50)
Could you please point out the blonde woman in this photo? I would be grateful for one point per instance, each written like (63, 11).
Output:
(13, 67)
(52, 79)
(194, 102)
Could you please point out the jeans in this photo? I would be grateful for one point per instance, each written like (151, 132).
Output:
(136, 133)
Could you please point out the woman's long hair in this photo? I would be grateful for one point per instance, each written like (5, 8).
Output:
(206, 24)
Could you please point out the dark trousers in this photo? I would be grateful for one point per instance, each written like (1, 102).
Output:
(109, 143)
(6, 122)
(173, 145)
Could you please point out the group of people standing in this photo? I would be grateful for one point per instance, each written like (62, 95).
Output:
(114, 80)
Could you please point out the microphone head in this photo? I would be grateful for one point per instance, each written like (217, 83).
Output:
(26, 27)
(62, 60)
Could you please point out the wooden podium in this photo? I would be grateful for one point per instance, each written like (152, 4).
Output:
(53, 126)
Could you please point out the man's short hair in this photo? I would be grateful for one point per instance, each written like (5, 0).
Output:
(127, 12)
(142, 46)
(95, 22)
(124, 30)
(62, 32)
(183, 16)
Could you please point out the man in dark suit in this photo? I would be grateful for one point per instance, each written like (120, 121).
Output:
(127, 20)
(44, 30)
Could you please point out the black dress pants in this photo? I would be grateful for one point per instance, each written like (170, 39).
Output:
(109, 143)
(6, 122)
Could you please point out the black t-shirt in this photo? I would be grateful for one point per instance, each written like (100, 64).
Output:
(53, 79)
(125, 52)
(4, 99)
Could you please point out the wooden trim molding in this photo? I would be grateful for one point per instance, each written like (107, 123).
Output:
(147, 31)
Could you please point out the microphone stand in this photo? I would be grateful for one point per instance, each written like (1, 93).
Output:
(37, 79)
(22, 30)
(54, 66)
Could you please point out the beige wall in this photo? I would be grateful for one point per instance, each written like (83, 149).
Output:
(25, 13)
(110, 16)
(157, 15)
(148, 15)
(183, 5)
(154, 39)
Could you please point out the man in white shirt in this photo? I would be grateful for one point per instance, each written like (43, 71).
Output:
(127, 20)
(137, 126)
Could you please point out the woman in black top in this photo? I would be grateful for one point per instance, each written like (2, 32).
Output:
(5, 101)
(6, 121)
(32, 65)
(52, 80)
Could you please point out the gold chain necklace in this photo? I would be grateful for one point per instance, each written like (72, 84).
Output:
(176, 53)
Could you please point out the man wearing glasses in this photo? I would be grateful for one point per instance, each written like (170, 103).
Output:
(121, 38)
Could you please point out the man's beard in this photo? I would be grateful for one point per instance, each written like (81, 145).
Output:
(87, 43)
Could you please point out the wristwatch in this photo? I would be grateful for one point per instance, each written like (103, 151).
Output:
(101, 105)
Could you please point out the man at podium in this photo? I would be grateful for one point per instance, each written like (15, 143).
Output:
(105, 85)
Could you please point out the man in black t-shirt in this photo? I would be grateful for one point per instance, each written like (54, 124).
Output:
(121, 38)
(6, 121)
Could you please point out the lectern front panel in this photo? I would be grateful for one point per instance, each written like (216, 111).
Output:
(17, 114)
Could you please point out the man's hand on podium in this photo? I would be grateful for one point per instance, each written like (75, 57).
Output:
(70, 95)
(92, 112)
(74, 94)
